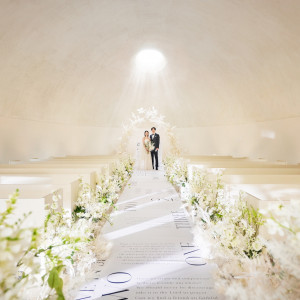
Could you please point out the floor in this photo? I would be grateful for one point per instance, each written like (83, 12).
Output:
(153, 256)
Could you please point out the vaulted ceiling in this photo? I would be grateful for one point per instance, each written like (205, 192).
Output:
(228, 61)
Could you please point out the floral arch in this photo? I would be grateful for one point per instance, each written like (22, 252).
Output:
(144, 119)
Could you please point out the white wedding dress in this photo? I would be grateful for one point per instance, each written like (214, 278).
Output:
(145, 159)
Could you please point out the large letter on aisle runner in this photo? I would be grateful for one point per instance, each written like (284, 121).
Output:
(192, 260)
(118, 278)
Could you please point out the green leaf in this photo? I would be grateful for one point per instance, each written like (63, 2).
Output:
(59, 286)
(55, 282)
(53, 279)
(59, 268)
(60, 297)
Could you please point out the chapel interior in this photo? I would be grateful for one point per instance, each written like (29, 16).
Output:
(220, 79)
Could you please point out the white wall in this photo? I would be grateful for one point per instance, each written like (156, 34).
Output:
(24, 139)
(275, 140)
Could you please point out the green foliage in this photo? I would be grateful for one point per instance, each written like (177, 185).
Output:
(251, 253)
(194, 200)
(78, 210)
(56, 282)
(254, 218)
(10, 206)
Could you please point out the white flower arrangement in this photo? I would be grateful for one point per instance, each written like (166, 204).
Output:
(228, 231)
(238, 230)
(206, 196)
(58, 251)
(176, 171)
(122, 172)
(45, 263)
(273, 273)
(94, 202)
(91, 204)
(233, 226)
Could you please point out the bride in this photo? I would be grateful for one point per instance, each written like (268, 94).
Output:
(146, 163)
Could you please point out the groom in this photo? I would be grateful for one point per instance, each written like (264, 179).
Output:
(154, 137)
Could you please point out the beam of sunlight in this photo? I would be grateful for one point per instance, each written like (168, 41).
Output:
(144, 196)
(139, 227)
(141, 206)
(142, 89)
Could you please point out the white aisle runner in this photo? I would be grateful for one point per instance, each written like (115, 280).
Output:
(153, 257)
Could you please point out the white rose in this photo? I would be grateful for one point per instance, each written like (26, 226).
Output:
(256, 245)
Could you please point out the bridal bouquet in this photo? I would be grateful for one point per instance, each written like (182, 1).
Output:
(149, 146)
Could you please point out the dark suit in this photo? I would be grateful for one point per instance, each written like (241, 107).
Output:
(154, 154)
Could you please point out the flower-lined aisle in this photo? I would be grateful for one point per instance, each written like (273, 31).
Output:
(257, 252)
(45, 263)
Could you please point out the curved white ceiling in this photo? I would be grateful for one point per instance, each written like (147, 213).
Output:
(228, 61)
